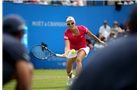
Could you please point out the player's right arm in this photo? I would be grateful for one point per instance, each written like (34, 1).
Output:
(67, 45)
(67, 48)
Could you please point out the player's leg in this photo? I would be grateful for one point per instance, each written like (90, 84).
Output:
(82, 53)
(80, 56)
(69, 66)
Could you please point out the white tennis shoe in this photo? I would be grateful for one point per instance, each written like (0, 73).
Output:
(70, 80)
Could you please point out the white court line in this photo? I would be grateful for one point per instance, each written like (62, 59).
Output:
(50, 89)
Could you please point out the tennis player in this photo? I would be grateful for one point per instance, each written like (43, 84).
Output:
(74, 38)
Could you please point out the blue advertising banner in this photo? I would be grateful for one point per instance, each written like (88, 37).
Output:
(47, 24)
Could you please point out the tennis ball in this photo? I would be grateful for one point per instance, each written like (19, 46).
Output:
(73, 51)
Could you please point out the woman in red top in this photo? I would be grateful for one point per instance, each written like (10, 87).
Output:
(74, 38)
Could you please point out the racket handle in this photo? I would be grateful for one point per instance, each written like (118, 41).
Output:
(59, 55)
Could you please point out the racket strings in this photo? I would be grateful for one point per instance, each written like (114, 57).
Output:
(40, 52)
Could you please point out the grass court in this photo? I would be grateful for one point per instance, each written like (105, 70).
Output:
(45, 79)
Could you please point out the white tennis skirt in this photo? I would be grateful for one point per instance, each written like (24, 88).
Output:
(71, 55)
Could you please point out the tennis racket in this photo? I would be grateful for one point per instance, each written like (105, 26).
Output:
(42, 52)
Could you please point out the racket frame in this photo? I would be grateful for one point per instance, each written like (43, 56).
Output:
(47, 56)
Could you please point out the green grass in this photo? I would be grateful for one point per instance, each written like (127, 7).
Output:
(44, 79)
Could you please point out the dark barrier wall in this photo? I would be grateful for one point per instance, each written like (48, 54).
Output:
(47, 24)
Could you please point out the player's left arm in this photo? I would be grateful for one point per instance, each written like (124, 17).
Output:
(94, 37)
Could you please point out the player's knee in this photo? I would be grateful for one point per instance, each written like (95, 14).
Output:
(78, 60)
